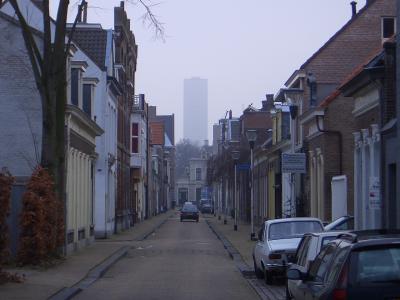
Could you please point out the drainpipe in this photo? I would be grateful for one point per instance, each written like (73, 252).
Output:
(340, 137)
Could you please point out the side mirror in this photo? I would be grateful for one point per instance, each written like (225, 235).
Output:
(295, 274)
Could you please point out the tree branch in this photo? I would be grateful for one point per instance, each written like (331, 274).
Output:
(71, 32)
(30, 44)
(47, 33)
(151, 18)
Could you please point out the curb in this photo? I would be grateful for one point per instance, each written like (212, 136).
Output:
(241, 265)
(93, 275)
(147, 234)
(234, 254)
(99, 270)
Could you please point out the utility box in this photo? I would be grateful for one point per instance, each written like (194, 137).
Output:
(339, 196)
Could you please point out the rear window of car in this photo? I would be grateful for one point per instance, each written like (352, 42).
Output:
(377, 265)
(293, 229)
(189, 208)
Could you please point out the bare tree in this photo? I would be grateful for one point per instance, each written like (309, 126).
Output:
(49, 62)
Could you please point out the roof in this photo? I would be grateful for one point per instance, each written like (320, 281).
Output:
(93, 41)
(360, 12)
(325, 233)
(356, 71)
(292, 220)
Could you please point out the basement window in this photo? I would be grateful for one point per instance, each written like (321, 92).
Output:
(388, 27)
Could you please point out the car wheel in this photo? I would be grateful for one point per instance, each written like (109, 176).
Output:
(197, 220)
(257, 271)
(267, 277)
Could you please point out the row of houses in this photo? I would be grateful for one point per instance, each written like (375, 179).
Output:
(119, 152)
(326, 142)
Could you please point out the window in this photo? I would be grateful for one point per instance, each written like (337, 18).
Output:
(198, 194)
(388, 27)
(293, 229)
(75, 86)
(87, 99)
(337, 264)
(378, 265)
(301, 258)
(321, 264)
(135, 138)
(198, 174)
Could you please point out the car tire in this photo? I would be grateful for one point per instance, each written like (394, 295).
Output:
(267, 277)
(257, 271)
(288, 297)
(197, 220)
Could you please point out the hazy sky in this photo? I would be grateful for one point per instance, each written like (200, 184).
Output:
(245, 48)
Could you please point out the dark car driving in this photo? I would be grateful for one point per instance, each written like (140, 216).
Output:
(357, 265)
(190, 212)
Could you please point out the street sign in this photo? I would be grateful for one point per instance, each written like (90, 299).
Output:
(293, 163)
(243, 167)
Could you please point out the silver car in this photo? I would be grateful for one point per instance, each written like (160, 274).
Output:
(277, 244)
(310, 246)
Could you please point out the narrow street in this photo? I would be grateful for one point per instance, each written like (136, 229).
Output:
(179, 261)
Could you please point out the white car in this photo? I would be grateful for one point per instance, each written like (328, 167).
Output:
(277, 244)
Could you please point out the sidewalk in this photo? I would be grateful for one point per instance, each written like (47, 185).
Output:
(240, 248)
(82, 267)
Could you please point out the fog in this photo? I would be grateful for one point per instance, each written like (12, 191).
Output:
(244, 48)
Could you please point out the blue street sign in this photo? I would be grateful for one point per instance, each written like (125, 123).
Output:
(243, 167)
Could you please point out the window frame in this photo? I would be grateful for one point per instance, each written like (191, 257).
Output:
(135, 138)
(383, 26)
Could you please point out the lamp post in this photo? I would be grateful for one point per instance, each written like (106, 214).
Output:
(251, 135)
(293, 97)
(235, 155)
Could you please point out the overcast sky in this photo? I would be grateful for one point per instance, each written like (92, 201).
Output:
(245, 48)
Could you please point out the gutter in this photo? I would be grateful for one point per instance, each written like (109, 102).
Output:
(340, 137)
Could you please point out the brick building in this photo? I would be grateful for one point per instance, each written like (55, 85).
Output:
(317, 79)
(125, 60)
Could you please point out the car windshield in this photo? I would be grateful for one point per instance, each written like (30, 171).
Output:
(378, 266)
(292, 229)
(189, 208)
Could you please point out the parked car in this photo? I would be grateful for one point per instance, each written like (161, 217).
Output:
(309, 247)
(357, 265)
(206, 209)
(203, 202)
(277, 244)
(189, 212)
(342, 223)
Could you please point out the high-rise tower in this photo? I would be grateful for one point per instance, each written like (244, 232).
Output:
(195, 109)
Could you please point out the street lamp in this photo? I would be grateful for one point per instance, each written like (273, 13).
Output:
(251, 135)
(235, 155)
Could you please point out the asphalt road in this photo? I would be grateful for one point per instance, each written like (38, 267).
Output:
(179, 261)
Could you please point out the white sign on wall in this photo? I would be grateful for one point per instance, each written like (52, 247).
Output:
(293, 163)
(374, 193)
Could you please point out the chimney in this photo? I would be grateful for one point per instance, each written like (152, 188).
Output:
(122, 4)
(230, 114)
(353, 8)
(82, 17)
(268, 103)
